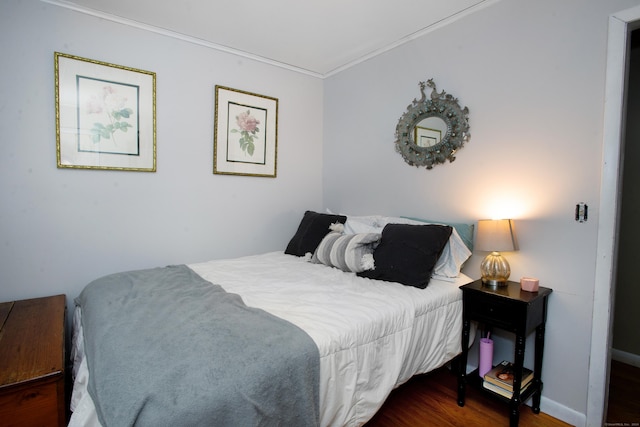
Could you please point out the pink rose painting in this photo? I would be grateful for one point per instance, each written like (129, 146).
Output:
(249, 130)
(110, 106)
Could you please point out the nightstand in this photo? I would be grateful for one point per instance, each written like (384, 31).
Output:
(32, 381)
(514, 310)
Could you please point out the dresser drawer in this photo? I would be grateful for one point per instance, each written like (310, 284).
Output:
(32, 375)
(32, 404)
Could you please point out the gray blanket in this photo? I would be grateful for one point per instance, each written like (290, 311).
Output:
(167, 348)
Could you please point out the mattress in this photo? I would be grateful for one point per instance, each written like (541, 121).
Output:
(372, 335)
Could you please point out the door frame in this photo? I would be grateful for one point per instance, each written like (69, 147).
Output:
(620, 26)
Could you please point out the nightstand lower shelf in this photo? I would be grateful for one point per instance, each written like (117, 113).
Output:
(474, 380)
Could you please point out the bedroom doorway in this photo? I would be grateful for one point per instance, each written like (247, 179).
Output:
(620, 27)
(625, 349)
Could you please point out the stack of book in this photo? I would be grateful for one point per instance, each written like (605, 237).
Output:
(500, 379)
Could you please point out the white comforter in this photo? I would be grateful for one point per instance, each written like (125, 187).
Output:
(372, 335)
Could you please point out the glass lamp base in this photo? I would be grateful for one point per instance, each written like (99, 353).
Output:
(495, 270)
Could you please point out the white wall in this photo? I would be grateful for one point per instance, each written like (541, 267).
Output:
(532, 75)
(61, 228)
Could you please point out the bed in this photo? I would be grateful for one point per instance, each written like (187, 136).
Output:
(352, 286)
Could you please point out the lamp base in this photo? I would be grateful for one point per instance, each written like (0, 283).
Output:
(491, 283)
(495, 270)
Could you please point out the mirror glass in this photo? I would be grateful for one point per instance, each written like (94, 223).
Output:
(432, 129)
(429, 132)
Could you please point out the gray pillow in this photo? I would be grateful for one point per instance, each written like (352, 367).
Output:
(348, 252)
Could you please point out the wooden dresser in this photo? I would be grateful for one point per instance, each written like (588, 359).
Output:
(32, 356)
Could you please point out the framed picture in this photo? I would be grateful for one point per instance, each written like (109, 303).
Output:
(245, 140)
(105, 115)
(426, 137)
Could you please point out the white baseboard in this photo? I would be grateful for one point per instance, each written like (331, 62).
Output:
(561, 412)
(624, 357)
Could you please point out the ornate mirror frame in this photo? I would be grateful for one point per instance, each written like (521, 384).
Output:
(441, 106)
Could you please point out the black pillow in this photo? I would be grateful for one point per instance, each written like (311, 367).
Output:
(313, 227)
(408, 253)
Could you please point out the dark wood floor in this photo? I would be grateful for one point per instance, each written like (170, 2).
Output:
(624, 403)
(431, 400)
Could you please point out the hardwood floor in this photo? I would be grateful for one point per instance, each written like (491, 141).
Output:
(624, 404)
(431, 400)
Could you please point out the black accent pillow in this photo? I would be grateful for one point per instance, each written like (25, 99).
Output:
(408, 253)
(312, 229)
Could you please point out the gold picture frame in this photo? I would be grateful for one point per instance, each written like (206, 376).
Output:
(245, 138)
(105, 115)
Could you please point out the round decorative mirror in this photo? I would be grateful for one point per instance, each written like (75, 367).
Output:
(432, 130)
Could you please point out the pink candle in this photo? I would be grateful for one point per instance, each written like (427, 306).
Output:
(486, 356)
(529, 284)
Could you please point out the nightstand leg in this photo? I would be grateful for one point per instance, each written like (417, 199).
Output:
(514, 416)
(462, 366)
(537, 368)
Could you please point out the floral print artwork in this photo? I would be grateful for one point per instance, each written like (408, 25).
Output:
(245, 140)
(111, 104)
(246, 134)
(249, 129)
(105, 115)
(108, 117)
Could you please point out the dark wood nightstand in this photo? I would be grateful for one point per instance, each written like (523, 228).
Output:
(32, 382)
(513, 310)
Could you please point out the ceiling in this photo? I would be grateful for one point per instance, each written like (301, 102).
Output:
(318, 37)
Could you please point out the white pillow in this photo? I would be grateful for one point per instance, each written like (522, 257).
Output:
(454, 254)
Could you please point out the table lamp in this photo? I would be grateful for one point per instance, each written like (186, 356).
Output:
(495, 236)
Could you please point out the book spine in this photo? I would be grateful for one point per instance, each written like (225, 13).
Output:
(508, 386)
(501, 391)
